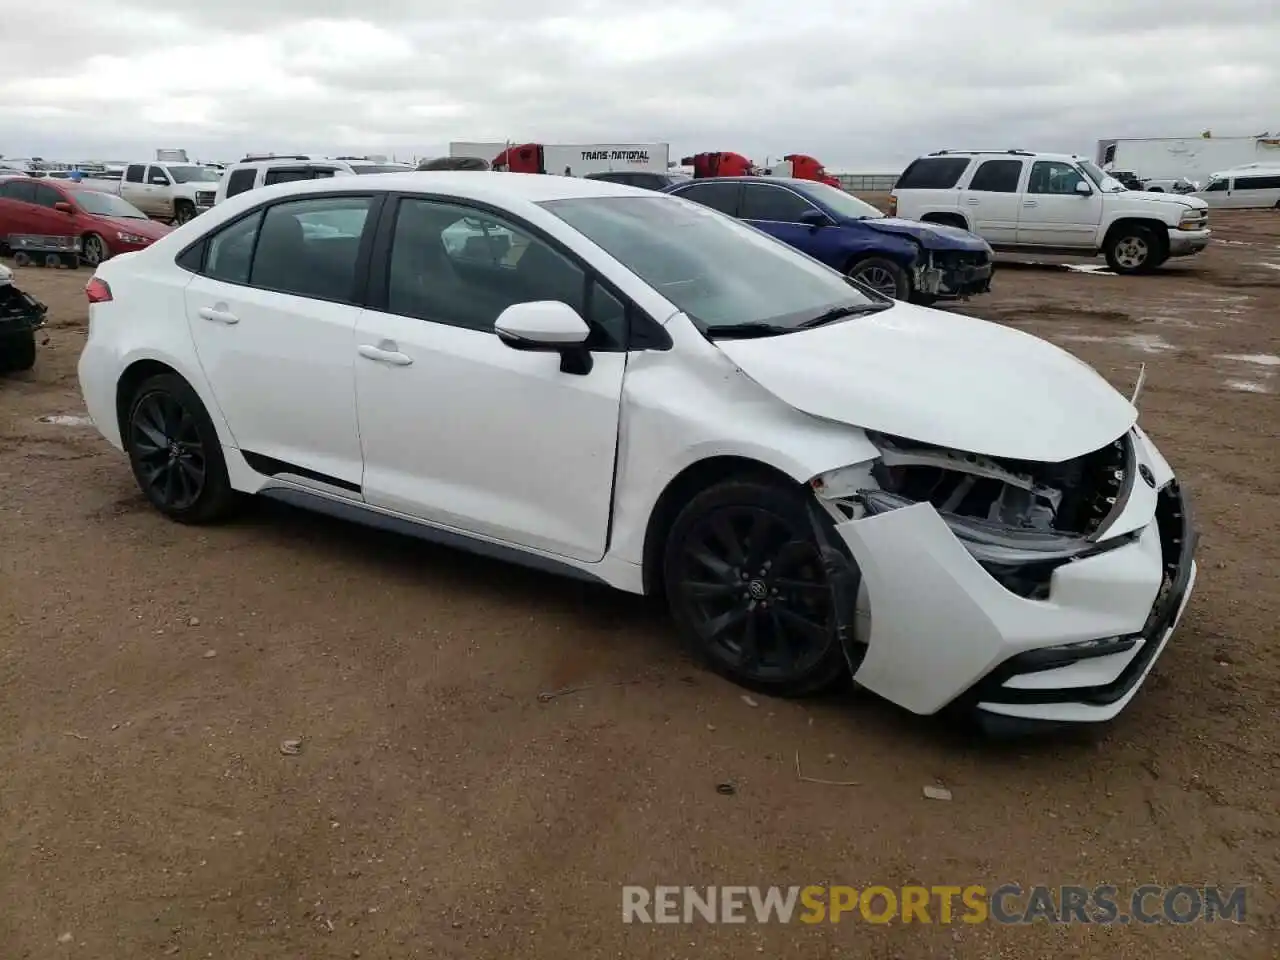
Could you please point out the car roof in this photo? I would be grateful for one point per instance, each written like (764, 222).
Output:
(471, 184)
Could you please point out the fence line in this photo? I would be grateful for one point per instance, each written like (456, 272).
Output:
(868, 182)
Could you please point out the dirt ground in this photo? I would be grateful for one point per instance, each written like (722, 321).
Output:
(439, 808)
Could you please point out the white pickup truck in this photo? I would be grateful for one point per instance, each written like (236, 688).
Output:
(1025, 202)
(165, 191)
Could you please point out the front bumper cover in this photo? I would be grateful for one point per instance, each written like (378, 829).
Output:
(1184, 243)
(944, 633)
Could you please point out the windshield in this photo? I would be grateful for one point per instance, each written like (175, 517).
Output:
(107, 205)
(194, 174)
(722, 273)
(841, 203)
(381, 168)
(1105, 182)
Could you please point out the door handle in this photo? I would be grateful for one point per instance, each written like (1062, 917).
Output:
(973, 200)
(1029, 203)
(218, 316)
(385, 354)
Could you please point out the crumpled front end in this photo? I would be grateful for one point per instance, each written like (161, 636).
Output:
(1030, 593)
(20, 313)
(953, 274)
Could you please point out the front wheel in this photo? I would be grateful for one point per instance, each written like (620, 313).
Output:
(1133, 250)
(175, 452)
(748, 588)
(95, 250)
(183, 213)
(882, 276)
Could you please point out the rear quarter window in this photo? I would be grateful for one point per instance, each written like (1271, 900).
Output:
(932, 173)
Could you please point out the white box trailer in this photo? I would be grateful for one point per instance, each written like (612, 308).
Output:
(572, 159)
(1195, 158)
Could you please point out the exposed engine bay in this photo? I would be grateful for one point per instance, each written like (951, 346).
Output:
(952, 273)
(1019, 519)
(1071, 497)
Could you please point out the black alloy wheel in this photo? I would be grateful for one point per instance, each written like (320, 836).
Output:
(746, 582)
(175, 453)
(170, 457)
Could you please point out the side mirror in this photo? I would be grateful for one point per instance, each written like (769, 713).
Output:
(547, 326)
(814, 219)
(1083, 189)
(158, 182)
(63, 207)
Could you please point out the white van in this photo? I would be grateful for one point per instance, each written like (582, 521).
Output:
(262, 171)
(1252, 185)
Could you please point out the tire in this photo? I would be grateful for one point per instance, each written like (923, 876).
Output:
(175, 452)
(183, 212)
(1131, 250)
(18, 352)
(94, 250)
(768, 632)
(883, 276)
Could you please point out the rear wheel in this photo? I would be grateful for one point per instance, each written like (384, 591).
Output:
(175, 452)
(747, 587)
(883, 276)
(18, 352)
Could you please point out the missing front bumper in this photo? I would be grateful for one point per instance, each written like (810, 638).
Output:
(954, 276)
(944, 632)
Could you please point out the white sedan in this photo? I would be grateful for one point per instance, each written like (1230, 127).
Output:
(635, 389)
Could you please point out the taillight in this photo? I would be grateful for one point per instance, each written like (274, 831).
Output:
(97, 291)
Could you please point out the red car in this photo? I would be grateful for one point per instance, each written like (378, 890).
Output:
(106, 224)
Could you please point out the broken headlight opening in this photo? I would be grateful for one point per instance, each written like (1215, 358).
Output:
(1021, 559)
(1021, 520)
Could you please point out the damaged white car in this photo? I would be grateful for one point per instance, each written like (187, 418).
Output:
(636, 389)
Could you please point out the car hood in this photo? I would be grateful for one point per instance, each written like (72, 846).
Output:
(1163, 200)
(933, 236)
(141, 228)
(942, 379)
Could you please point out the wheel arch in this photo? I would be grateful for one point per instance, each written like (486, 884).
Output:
(1158, 227)
(954, 219)
(141, 367)
(683, 487)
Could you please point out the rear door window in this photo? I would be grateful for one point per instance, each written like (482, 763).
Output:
(24, 191)
(932, 173)
(311, 248)
(717, 196)
(997, 176)
(238, 181)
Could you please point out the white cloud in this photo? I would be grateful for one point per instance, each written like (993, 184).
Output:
(863, 86)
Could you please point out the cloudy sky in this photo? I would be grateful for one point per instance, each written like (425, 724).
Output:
(864, 86)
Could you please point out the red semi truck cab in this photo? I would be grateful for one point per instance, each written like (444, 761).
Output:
(719, 164)
(525, 158)
(804, 167)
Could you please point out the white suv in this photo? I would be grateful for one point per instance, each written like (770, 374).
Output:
(262, 171)
(1050, 203)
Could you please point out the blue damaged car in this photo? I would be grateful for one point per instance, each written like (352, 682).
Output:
(903, 259)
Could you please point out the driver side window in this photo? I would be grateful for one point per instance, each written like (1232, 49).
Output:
(1216, 185)
(462, 267)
